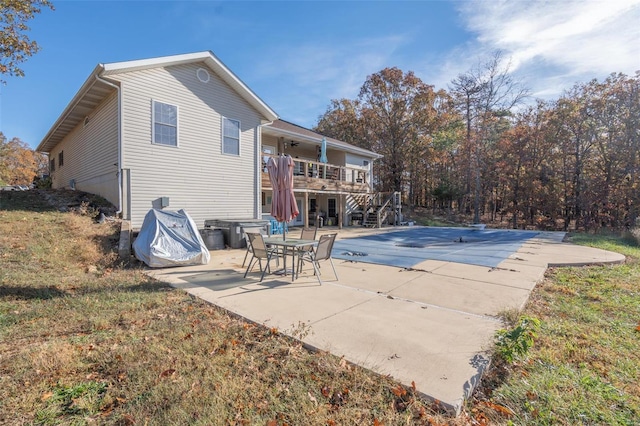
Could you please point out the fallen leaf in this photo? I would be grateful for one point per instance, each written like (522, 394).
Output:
(499, 408)
(106, 411)
(399, 391)
(422, 413)
(128, 420)
(325, 391)
(481, 419)
(168, 373)
(46, 396)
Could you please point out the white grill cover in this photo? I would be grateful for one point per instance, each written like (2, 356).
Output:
(170, 239)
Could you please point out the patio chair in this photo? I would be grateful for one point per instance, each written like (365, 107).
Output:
(260, 252)
(322, 252)
(306, 234)
(249, 249)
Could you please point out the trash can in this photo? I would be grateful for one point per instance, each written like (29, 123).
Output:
(213, 238)
(234, 229)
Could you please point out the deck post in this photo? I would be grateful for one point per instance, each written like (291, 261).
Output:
(340, 212)
(305, 212)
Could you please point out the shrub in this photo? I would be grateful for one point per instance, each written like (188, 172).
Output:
(516, 342)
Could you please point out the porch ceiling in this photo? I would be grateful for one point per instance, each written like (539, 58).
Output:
(281, 128)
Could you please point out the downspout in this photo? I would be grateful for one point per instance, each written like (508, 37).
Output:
(258, 190)
(119, 165)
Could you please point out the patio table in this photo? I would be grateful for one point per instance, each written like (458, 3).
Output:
(290, 244)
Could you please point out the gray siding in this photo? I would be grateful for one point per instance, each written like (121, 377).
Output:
(91, 153)
(196, 176)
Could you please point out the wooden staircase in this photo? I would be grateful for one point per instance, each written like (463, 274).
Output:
(378, 208)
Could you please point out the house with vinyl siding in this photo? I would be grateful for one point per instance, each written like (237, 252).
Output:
(184, 132)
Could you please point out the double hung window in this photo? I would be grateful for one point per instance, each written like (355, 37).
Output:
(165, 124)
(230, 136)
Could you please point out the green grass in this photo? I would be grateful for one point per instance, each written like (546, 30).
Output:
(87, 340)
(585, 364)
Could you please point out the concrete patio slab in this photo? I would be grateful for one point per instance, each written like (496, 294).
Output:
(506, 273)
(430, 324)
(444, 352)
(465, 295)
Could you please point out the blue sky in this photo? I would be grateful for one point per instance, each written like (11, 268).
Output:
(298, 55)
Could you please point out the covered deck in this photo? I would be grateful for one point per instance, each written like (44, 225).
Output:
(315, 176)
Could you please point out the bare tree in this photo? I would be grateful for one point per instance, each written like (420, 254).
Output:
(485, 96)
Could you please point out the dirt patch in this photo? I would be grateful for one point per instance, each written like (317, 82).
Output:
(84, 203)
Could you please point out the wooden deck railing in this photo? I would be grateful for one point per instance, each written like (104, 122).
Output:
(329, 175)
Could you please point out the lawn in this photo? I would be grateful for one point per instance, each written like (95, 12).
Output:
(585, 364)
(85, 339)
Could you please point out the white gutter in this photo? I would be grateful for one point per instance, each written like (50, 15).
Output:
(119, 165)
(258, 191)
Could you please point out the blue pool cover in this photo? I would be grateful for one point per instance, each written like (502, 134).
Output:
(409, 246)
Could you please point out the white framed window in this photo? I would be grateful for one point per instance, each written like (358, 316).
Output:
(165, 124)
(230, 136)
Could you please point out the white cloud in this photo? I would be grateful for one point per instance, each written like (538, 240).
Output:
(555, 44)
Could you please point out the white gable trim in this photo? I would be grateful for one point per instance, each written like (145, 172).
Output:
(210, 60)
(94, 90)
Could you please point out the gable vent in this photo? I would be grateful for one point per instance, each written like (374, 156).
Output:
(203, 75)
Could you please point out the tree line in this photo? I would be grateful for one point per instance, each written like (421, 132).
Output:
(19, 164)
(478, 149)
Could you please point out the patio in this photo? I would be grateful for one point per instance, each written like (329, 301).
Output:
(431, 324)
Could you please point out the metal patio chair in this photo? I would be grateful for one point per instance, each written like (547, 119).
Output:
(260, 252)
(306, 234)
(322, 252)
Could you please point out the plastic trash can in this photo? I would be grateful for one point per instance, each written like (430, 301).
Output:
(213, 238)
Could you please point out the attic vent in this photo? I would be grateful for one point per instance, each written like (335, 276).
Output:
(203, 75)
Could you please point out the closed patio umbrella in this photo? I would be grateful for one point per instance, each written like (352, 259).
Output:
(323, 151)
(272, 170)
(283, 204)
(323, 156)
